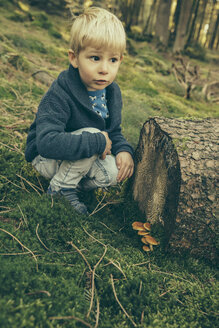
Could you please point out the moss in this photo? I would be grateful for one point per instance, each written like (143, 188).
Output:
(181, 143)
(143, 86)
(196, 51)
(19, 62)
(30, 44)
(156, 289)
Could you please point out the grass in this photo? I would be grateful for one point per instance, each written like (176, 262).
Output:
(58, 268)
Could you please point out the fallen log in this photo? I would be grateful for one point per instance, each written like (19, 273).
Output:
(176, 181)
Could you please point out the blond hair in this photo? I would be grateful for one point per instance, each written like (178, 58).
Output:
(98, 28)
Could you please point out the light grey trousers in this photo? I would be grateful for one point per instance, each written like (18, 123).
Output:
(87, 174)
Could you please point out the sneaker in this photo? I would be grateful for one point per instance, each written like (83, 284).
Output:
(72, 196)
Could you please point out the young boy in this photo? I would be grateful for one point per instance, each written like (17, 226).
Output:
(75, 139)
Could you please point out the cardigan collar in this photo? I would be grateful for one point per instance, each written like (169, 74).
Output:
(70, 80)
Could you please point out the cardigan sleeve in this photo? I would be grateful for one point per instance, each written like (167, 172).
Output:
(119, 143)
(54, 142)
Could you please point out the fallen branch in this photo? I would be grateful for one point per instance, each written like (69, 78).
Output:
(34, 256)
(93, 281)
(33, 186)
(98, 313)
(114, 291)
(42, 243)
(82, 255)
(70, 317)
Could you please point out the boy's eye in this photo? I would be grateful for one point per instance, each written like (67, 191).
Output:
(95, 58)
(114, 60)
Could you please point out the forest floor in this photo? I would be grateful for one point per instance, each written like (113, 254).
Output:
(60, 269)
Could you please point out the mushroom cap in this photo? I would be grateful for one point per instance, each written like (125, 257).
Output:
(138, 226)
(143, 232)
(146, 248)
(147, 226)
(150, 240)
(144, 240)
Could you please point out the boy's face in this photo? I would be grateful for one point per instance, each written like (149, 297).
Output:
(97, 67)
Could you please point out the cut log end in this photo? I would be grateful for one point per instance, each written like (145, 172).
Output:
(157, 176)
(176, 182)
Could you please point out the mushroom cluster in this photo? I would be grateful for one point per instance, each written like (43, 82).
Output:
(144, 231)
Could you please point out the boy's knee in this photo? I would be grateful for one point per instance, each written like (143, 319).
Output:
(91, 130)
(112, 175)
(106, 172)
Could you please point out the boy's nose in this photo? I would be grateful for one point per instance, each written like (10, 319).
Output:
(103, 69)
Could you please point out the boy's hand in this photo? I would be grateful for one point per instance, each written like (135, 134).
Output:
(107, 150)
(125, 165)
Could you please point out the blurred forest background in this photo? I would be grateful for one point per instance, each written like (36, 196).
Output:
(170, 69)
(181, 25)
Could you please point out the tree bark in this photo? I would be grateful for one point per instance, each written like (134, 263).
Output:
(211, 24)
(205, 2)
(214, 32)
(193, 25)
(175, 182)
(162, 21)
(181, 33)
(150, 22)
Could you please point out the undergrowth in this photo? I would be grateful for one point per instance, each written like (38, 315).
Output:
(60, 269)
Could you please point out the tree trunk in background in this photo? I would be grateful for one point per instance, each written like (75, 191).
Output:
(130, 12)
(193, 25)
(176, 19)
(150, 22)
(211, 24)
(202, 19)
(162, 21)
(171, 151)
(181, 33)
(211, 46)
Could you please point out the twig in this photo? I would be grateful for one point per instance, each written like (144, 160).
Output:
(40, 184)
(21, 245)
(23, 253)
(167, 291)
(137, 264)
(142, 317)
(14, 149)
(11, 182)
(98, 313)
(107, 203)
(82, 255)
(6, 209)
(172, 274)
(140, 288)
(93, 237)
(114, 291)
(39, 292)
(25, 220)
(40, 239)
(93, 281)
(71, 317)
(94, 211)
(49, 250)
(118, 267)
(30, 184)
(107, 227)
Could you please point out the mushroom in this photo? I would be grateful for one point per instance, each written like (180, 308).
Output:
(150, 240)
(138, 226)
(147, 226)
(143, 230)
(143, 233)
(146, 248)
(144, 240)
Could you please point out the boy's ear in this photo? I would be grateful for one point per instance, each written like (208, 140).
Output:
(72, 58)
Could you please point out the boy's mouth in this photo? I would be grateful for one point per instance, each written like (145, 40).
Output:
(100, 81)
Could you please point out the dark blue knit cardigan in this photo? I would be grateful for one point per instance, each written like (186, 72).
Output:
(66, 107)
